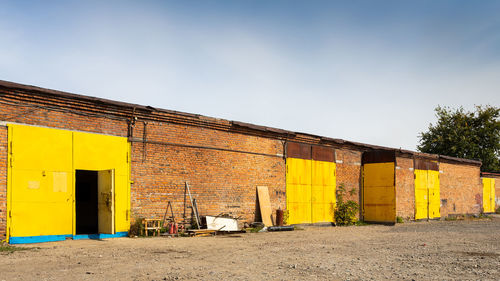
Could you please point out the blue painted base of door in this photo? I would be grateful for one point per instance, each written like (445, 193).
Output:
(53, 238)
(100, 236)
(38, 239)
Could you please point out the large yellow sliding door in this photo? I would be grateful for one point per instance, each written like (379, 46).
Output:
(434, 194)
(323, 191)
(298, 190)
(378, 189)
(488, 195)
(421, 195)
(427, 189)
(40, 184)
(379, 198)
(105, 153)
(310, 184)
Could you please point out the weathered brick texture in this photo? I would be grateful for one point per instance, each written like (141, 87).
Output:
(405, 188)
(221, 181)
(461, 189)
(349, 172)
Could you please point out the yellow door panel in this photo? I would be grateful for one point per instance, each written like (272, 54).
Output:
(488, 195)
(298, 190)
(36, 148)
(379, 174)
(323, 191)
(100, 153)
(379, 198)
(105, 201)
(434, 194)
(122, 203)
(427, 194)
(310, 191)
(298, 171)
(41, 182)
(421, 194)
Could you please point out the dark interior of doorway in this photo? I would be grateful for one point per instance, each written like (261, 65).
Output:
(86, 202)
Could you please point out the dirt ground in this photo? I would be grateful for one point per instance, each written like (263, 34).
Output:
(444, 250)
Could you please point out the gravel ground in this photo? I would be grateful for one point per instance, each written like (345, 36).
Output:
(441, 250)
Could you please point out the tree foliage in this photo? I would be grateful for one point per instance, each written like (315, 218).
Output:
(465, 134)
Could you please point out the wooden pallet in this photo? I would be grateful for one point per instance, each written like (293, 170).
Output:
(151, 225)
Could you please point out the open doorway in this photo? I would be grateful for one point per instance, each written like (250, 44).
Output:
(94, 202)
(86, 201)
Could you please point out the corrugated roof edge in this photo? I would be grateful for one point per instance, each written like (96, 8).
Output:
(29, 88)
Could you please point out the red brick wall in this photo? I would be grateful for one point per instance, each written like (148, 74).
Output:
(221, 181)
(461, 189)
(405, 188)
(3, 181)
(349, 172)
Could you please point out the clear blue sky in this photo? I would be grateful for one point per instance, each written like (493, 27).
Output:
(368, 71)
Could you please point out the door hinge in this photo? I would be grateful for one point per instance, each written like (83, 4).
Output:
(10, 214)
(11, 161)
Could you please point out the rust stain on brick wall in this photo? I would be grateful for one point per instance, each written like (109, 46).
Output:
(323, 153)
(298, 150)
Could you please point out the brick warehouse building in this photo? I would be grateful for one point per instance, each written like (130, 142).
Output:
(73, 165)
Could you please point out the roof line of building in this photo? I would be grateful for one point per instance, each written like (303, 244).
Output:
(248, 126)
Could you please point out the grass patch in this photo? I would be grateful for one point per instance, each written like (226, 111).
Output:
(361, 223)
(5, 248)
(399, 219)
(254, 229)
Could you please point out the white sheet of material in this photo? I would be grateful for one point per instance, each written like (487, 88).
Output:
(223, 224)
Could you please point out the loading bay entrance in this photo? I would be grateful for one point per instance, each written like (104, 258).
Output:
(66, 184)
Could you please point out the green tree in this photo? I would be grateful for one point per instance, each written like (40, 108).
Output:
(465, 134)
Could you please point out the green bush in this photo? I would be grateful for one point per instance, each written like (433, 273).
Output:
(399, 219)
(345, 212)
(137, 228)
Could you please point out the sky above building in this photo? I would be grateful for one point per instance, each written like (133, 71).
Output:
(367, 71)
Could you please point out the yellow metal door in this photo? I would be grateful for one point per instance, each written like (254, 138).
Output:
(379, 199)
(488, 195)
(298, 190)
(105, 201)
(99, 153)
(434, 194)
(323, 191)
(421, 195)
(40, 199)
